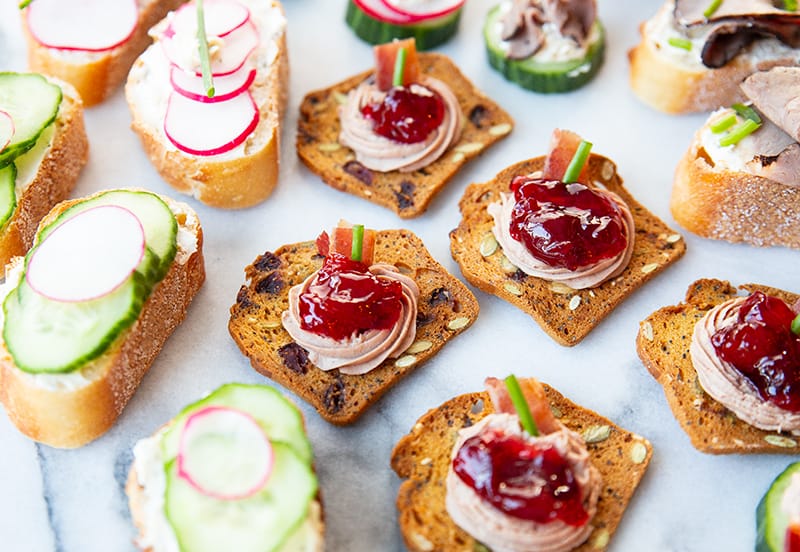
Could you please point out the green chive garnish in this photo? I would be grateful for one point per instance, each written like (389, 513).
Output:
(682, 43)
(788, 5)
(738, 132)
(578, 161)
(205, 61)
(358, 242)
(399, 67)
(712, 7)
(747, 112)
(521, 405)
(723, 124)
(796, 325)
(24, 4)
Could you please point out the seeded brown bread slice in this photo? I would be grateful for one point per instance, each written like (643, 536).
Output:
(663, 345)
(446, 308)
(407, 194)
(423, 456)
(567, 315)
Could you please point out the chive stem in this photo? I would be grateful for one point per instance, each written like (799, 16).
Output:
(712, 8)
(24, 4)
(747, 112)
(578, 161)
(521, 405)
(682, 43)
(739, 132)
(796, 325)
(205, 60)
(399, 67)
(724, 123)
(358, 242)
(788, 5)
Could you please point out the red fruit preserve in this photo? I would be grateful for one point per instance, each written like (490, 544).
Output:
(406, 114)
(792, 543)
(346, 299)
(761, 345)
(566, 225)
(527, 481)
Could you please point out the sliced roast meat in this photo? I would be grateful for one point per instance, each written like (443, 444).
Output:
(776, 93)
(692, 12)
(574, 18)
(783, 168)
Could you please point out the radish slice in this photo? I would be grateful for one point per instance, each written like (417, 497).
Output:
(378, 10)
(421, 10)
(228, 52)
(221, 17)
(224, 453)
(90, 25)
(6, 129)
(225, 87)
(88, 256)
(209, 128)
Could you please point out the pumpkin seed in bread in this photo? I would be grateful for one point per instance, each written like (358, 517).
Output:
(663, 345)
(407, 194)
(566, 315)
(423, 456)
(445, 309)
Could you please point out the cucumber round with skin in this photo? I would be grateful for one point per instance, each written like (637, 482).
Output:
(8, 196)
(427, 34)
(33, 104)
(545, 77)
(771, 521)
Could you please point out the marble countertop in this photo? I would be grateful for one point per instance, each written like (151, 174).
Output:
(73, 500)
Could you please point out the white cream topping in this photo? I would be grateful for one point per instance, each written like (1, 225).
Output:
(724, 157)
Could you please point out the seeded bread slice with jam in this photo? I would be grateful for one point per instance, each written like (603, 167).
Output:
(406, 193)
(446, 308)
(423, 456)
(567, 315)
(663, 345)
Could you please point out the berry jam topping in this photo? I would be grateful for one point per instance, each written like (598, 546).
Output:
(524, 480)
(407, 114)
(792, 543)
(346, 299)
(761, 345)
(566, 225)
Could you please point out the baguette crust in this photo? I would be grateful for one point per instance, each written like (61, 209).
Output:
(72, 418)
(733, 206)
(97, 75)
(233, 183)
(55, 177)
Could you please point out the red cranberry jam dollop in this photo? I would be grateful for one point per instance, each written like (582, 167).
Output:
(346, 299)
(524, 480)
(792, 538)
(762, 347)
(566, 225)
(406, 114)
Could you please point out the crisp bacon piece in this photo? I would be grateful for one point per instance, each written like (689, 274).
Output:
(535, 397)
(563, 145)
(323, 244)
(385, 55)
(342, 242)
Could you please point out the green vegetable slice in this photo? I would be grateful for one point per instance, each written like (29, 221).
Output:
(427, 34)
(33, 104)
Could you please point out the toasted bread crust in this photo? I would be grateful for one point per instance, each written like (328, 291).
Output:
(229, 184)
(663, 346)
(407, 194)
(554, 306)
(54, 180)
(719, 204)
(97, 76)
(671, 88)
(423, 456)
(255, 323)
(68, 419)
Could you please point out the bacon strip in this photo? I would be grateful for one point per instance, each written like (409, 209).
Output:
(535, 397)
(563, 145)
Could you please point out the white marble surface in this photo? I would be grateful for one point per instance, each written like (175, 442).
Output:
(73, 500)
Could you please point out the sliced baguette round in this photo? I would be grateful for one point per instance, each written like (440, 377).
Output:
(229, 182)
(55, 178)
(96, 75)
(72, 415)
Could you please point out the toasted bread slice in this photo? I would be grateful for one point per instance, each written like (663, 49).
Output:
(663, 345)
(97, 75)
(446, 308)
(236, 179)
(51, 180)
(567, 315)
(407, 194)
(422, 458)
(68, 415)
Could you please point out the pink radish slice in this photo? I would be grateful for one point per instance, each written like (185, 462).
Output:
(203, 128)
(221, 17)
(224, 453)
(90, 25)
(378, 10)
(422, 11)
(6, 129)
(225, 87)
(88, 256)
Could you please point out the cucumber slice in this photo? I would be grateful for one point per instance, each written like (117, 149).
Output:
(260, 523)
(550, 77)
(8, 196)
(279, 418)
(46, 336)
(771, 520)
(427, 34)
(33, 104)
